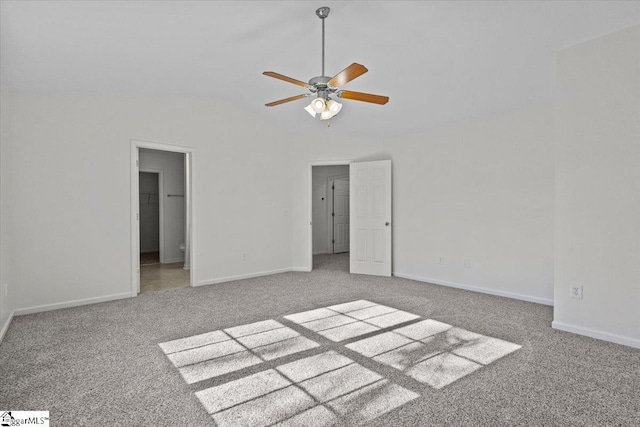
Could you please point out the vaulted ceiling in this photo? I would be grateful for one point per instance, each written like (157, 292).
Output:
(439, 62)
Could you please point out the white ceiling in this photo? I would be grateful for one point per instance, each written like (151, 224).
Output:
(439, 62)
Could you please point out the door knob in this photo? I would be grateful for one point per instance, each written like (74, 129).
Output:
(386, 223)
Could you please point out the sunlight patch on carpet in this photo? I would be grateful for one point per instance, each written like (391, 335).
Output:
(349, 320)
(432, 352)
(325, 389)
(217, 353)
(328, 388)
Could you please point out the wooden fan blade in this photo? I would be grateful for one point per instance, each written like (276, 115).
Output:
(345, 76)
(286, 79)
(366, 97)
(282, 101)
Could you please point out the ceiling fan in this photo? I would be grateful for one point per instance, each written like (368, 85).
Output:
(323, 87)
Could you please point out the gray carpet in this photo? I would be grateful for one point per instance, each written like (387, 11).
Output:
(103, 365)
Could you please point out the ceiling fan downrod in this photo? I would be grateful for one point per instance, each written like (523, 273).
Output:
(322, 13)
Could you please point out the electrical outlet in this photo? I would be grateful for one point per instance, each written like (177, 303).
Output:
(467, 263)
(439, 260)
(575, 291)
(244, 256)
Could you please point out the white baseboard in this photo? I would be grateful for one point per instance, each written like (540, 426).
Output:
(593, 333)
(171, 261)
(242, 276)
(67, 304)
(464, 286)
(304, 269)
(5, 327)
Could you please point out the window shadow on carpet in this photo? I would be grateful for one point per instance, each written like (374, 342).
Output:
(328, 388)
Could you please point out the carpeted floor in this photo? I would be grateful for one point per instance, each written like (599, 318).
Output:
(127, 362)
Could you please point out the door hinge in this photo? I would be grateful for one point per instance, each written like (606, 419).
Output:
(137, 163)
(333, 187)
(333, 241)
(333, 214)
(137, 217)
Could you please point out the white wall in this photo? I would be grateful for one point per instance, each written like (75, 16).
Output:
(479, 191)
(172, 167)
(6, 285)
(72, 184)
(597, 211)
(321, 219)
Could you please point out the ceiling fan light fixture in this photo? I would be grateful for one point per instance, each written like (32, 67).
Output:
(319, 105)
(332, 109)
(334, 106)
(309, 110)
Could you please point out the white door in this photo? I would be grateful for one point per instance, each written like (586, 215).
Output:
(340, 215)
(371, 220)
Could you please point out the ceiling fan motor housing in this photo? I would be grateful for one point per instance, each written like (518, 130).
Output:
(320, 86)
(319, 81)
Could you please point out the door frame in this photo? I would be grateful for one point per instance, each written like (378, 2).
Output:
(310, 165)
(190, 201)
(330, 219)
(160, 209)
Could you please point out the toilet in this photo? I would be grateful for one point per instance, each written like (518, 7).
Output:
(186, 258)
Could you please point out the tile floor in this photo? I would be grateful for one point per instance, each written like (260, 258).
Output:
(327, 388)
(147, 258)
(158, 277)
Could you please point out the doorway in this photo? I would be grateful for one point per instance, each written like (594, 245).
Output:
(162, 217)
(151, 224)
(370, 224)
(330, 216)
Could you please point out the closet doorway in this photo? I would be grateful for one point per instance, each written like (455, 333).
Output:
(162, 221)
(151, 221)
